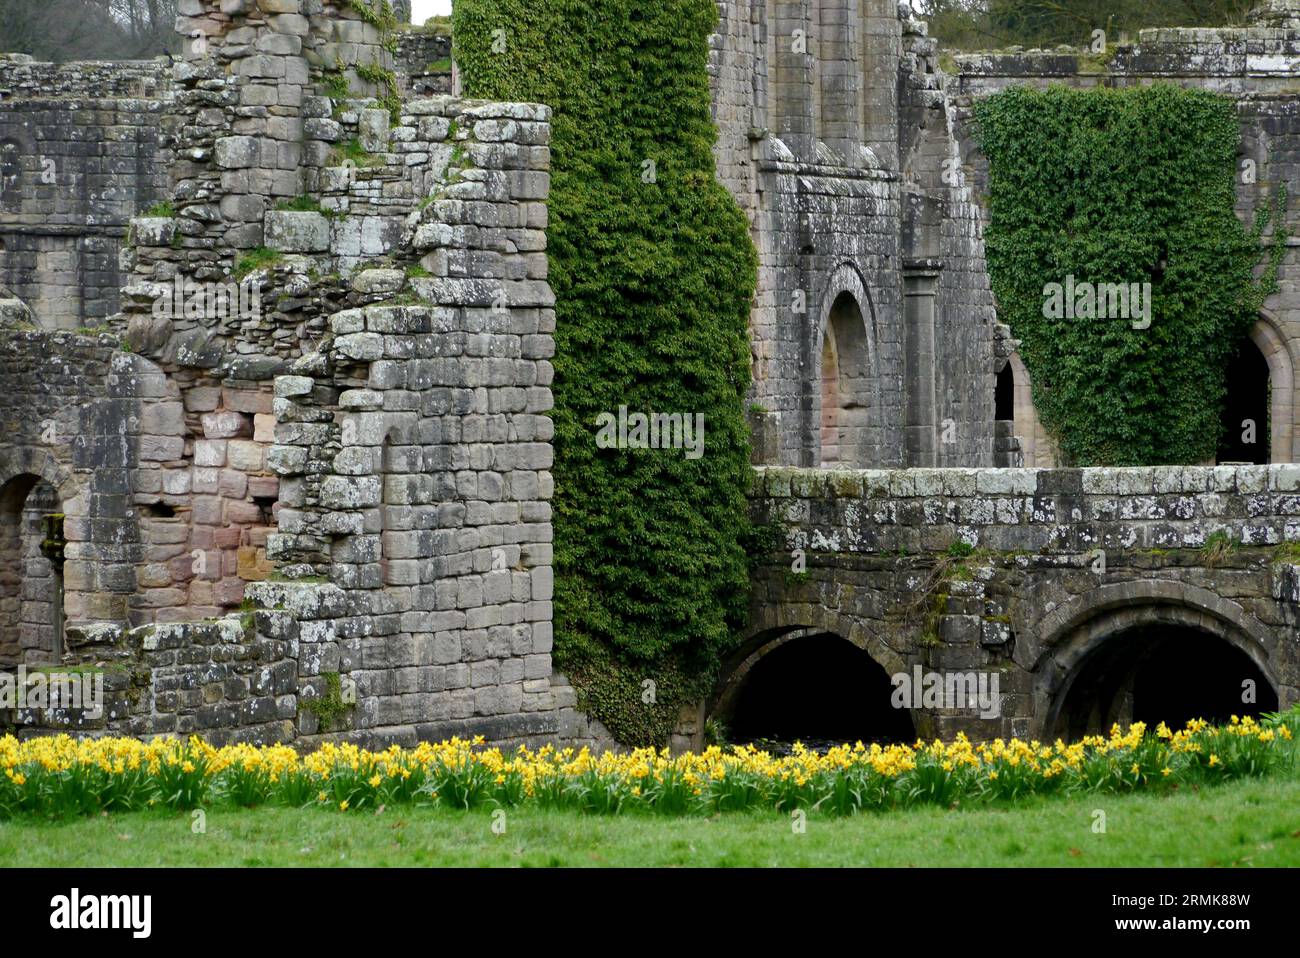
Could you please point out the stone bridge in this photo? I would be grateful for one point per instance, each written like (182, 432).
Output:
(1094, 595)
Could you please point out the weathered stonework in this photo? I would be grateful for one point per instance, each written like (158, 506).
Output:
(1064, 560)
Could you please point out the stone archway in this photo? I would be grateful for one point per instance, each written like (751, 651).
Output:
(31, 572)
(1281, 378)
(847, 425)
(1098, 647)
(1036, 447)
(813, 683)
(1244, 419)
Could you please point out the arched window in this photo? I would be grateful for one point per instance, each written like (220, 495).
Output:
(1004, 395)
(845, 386)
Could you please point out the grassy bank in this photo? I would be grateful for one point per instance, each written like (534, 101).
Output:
(1252, 822)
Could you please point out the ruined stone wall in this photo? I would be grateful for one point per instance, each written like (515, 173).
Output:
(384, 515)
(423, 62)
(80, 153)
(102, 428)
(833, 135)
(1061, 558)
(414, 454)
(1257, 66)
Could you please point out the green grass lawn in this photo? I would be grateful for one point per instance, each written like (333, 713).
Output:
(1246, 823)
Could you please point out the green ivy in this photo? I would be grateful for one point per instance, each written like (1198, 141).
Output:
(653, 283)
(1130, 185)
(330, 709)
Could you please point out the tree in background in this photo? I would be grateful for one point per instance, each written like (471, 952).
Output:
(992, 24)
(60, 30)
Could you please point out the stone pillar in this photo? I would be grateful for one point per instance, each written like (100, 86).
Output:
(840, 74)
(920, 284)
(881, 49)
(792, 40)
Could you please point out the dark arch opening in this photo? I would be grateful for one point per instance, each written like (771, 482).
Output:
(818, 689)
(1004, 395)
(1245, 430)
(1161, 673)
(31, 572)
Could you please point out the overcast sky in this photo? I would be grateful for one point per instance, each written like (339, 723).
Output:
(421, 10)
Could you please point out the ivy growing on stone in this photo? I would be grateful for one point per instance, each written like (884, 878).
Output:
(1126, 187)
(653, 272)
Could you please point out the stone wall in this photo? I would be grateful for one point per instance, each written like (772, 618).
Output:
(1023, 571)
(423, 62)
(80, 153)
(414, 454)
(101, 427)
(872, 324)
(1256, 66)
(349, 478)
(363, 462)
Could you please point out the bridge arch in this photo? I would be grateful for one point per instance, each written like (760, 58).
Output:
(1096, 647)
(826, 680)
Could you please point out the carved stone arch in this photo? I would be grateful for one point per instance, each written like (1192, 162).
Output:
(827, 683)
(1268, 339)
(846, 381)
(34, 489)
(778, 625)
(23, 460)
(1036, 446)
(1069, 634)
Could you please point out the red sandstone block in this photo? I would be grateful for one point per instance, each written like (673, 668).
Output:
(243, 513)
(181, 569)
(202, 592)
(208, 511)
(263, 487)
(161, 598)
(233, 484)
(247, 400)
(229, 591)
(227, 537)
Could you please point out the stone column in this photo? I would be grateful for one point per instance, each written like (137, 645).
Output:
(920, 284)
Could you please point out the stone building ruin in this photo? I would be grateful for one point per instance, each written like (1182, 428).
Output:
(275, 367)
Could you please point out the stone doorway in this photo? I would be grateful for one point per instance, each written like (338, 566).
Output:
(1245, 424)
(31, 572)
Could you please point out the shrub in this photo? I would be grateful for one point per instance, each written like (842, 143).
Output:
(653, 285)
(1134, 185)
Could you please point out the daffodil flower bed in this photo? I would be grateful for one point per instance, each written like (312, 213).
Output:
(60, 776)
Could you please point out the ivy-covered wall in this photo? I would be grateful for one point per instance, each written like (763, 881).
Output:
(1134, 189)
(653, 271)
